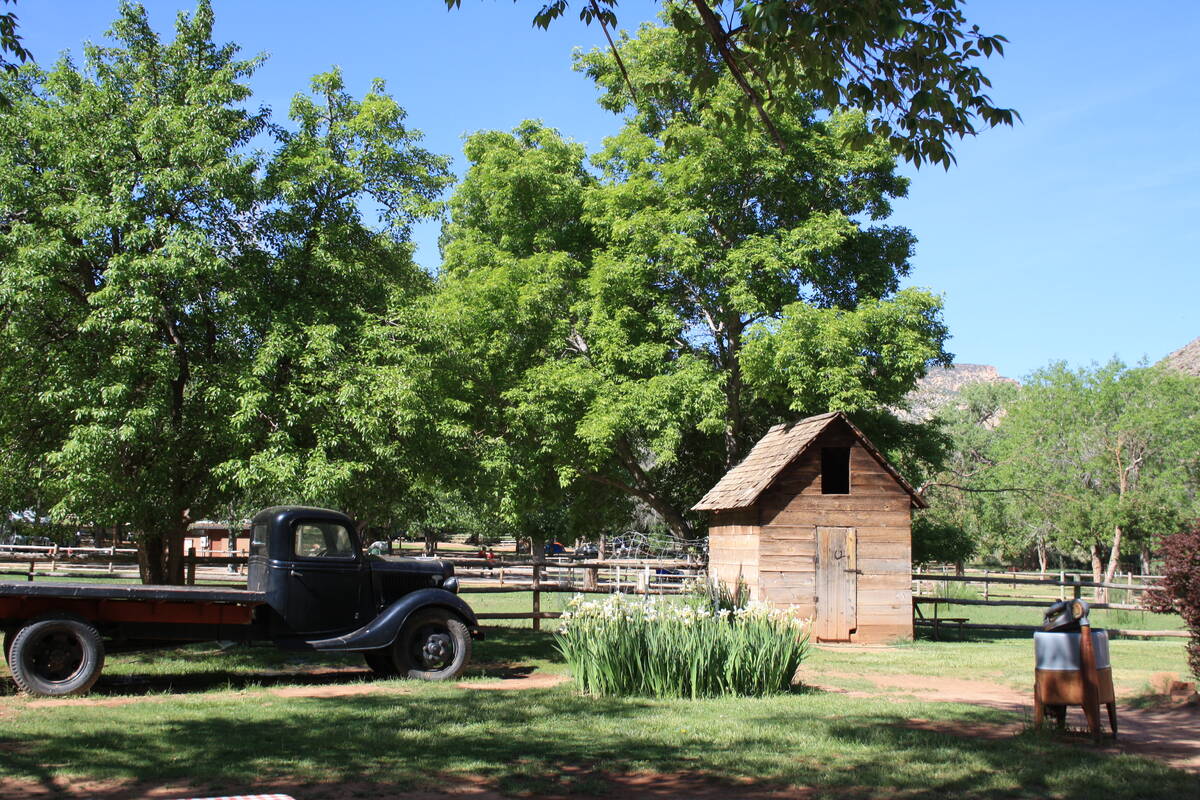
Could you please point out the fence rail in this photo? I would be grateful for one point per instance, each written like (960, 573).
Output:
(508, 575)
(990, 581)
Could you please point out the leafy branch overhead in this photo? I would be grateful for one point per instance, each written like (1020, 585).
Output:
(10, 43)
(912, 65)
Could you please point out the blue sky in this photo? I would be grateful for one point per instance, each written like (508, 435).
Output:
(1072, 236)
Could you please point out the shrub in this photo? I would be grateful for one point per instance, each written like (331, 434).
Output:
(659, 649)
(1179, 591)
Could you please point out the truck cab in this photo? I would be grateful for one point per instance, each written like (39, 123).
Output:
(325, 592)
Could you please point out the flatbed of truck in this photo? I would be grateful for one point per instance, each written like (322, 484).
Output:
(132, 591)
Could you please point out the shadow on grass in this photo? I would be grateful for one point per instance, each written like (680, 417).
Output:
(541, 742)
(950, 634)
(515, 645)
(504, 653)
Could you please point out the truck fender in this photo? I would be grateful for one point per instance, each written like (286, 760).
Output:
(383, 630)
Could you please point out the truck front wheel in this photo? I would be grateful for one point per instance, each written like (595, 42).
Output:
(380, 662)
(434, 645)
(56, 656)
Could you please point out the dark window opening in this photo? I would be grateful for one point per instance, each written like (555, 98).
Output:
(835, 470)
(258, 540)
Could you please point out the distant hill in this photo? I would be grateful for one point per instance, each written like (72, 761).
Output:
(941, 386)
(1185, 359)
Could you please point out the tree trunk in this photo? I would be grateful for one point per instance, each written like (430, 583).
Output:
(173, 566)
(1144, 558)
(150, 559)
(733, 400)
(1043, 554)
(1114, 558)
(160, 557)
(1097, 569)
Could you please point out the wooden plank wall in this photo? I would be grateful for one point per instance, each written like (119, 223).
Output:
(733, 543)
(878, 508)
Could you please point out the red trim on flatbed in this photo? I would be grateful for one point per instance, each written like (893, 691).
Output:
(104, 610)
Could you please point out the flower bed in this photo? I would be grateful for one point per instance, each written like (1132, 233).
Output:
(620, 646)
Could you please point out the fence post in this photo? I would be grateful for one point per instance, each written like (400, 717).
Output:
(191, 566)
(1077, 588)
(537, 596)
(590, 578)
(985, 585)
(31, 567)
(1062, 589)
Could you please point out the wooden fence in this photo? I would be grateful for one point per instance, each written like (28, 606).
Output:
(627, 576)
(645, 577)
(1001, 589)
(476, 575)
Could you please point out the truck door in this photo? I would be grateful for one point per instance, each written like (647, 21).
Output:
(325, 579)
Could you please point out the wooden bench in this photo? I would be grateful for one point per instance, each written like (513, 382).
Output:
(937, 621)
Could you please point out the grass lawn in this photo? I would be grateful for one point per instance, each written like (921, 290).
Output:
(219, 721)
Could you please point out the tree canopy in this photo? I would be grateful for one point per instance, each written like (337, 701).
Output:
(188, 328)
(638, 328)
(1093, 463)
(911, 65)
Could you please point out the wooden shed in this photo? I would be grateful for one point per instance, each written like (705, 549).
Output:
(815, 517)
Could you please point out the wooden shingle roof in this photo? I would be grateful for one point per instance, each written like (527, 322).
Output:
(782, 445)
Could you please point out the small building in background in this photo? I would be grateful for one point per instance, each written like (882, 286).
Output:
(815, 517)
(213, 539)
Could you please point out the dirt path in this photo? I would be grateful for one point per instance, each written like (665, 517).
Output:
(1170, 734)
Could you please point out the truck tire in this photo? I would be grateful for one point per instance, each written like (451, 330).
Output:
(380, 662)
(433, 645)
(56, 656)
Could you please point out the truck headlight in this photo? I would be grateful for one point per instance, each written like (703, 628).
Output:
(450, 585)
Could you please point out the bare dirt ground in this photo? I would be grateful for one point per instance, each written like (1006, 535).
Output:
(1170, 733)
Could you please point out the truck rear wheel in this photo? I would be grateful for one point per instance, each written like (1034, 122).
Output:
(434, 645)
(56, 656)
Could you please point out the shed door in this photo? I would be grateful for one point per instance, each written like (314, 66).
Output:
(837, 584)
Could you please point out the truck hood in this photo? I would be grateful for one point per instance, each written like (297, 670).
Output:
(410, 565)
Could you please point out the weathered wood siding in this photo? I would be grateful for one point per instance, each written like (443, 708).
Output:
(877, 508)
(733, 548)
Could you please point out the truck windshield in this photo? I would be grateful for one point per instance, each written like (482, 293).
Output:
(323, 540)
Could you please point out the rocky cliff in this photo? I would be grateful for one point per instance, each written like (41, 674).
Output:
(1185, 359)
(942, 385)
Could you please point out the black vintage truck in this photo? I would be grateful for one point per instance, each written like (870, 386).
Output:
(309, 587)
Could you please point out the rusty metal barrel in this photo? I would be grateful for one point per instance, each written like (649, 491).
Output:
(1072, 668)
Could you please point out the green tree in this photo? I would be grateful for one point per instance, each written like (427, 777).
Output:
(966, 495)
(122, 195)
(702, 276)
(912, 65)
(1112, 453)
(10, 43)
(516, 251)
(330, 410)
